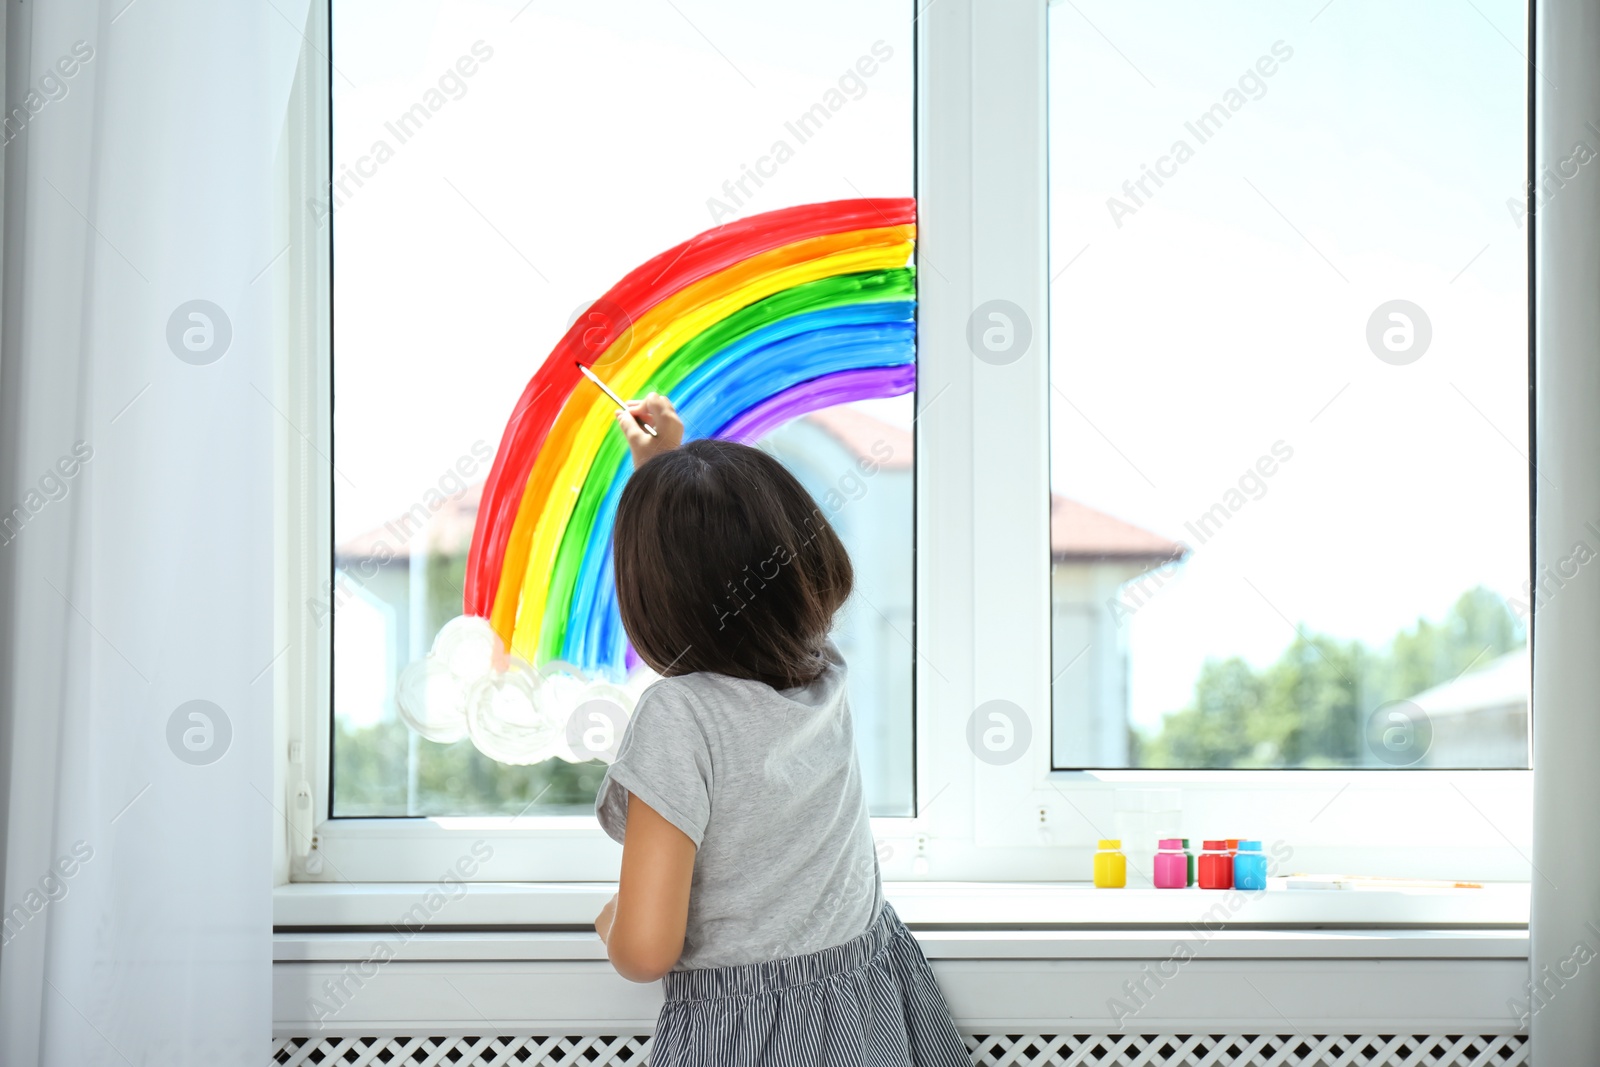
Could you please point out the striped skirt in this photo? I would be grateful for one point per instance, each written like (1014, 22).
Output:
(870, 1002)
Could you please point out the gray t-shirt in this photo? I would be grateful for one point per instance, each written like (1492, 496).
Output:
(766, 784)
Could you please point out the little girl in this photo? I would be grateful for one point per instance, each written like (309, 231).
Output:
(749, 878)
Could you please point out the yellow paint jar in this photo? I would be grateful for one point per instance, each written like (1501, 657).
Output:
(1110, 866)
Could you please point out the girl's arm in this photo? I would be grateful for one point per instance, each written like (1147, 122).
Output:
(643, 925)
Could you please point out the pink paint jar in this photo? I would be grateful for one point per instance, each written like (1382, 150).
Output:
(1172, 866)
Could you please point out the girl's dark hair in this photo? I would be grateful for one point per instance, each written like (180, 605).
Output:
(724, 563)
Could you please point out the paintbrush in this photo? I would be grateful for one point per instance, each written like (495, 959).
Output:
(615, 399)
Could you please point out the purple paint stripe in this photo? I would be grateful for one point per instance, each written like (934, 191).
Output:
(866, 384)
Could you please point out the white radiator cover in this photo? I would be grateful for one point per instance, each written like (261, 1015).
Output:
(1105, 999)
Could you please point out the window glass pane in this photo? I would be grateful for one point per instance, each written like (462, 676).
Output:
(497, 167)
(1289, 405)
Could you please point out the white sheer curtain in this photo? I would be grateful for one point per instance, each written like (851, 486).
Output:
(137, 420)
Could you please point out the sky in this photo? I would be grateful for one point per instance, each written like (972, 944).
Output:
(1226, 314)
(591, 140)
(1229, 311)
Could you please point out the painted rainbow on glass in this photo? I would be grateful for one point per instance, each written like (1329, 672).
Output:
(746, 326)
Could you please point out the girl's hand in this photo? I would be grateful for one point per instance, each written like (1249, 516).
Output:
(657, 411)
(602, 922)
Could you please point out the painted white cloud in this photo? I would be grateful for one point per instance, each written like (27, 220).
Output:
(469, 686)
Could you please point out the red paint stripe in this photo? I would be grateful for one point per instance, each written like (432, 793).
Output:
(675, 269)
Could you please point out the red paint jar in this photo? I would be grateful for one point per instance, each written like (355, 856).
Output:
(1216, 866)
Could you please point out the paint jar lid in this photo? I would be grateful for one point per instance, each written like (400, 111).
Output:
(1249, 846)
(1169, 843)
(1185, 842)
(1110, 844)
(1216, 846)
(1233, 842)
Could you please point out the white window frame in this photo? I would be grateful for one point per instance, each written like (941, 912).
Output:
(982, 576)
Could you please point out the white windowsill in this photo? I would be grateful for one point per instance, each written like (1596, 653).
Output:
(510, 947)
(988, 907)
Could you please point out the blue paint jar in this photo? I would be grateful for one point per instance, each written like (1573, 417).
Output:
(1249, 866)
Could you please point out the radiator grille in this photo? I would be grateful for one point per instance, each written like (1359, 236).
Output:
(988, 1050)
(1248, 1050)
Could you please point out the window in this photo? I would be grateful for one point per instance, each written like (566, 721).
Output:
(1200, 355)
(496, 167)
(1290, 378)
